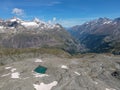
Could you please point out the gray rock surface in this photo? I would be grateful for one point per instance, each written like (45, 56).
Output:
(89, 72)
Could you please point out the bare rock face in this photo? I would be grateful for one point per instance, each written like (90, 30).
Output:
(89, 72)
(116, 74)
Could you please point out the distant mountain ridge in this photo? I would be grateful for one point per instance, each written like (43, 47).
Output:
(100, 35)
(15, 23)
(97, 36)
(17, 33)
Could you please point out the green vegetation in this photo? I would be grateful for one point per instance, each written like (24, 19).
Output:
(53, 51)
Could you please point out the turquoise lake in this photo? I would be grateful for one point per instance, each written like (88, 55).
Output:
(40, 69)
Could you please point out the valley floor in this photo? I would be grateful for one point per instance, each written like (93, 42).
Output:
(88, 72)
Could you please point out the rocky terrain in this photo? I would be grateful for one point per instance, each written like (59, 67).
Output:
(82, 72)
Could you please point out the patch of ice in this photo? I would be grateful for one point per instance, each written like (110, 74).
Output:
(15, 75)
(77, 73)
(1, 27)
(13, 69)
(40, 75)
(107, 22)
(64, 67)
(43, 86)
(13, 20)
(38, 60)
(5, 75)
(30, 24)
(7, 67)
(110, 89)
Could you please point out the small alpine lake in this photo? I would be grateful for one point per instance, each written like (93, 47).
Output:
(40, 69)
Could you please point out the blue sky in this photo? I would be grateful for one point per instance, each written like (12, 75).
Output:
(66, 12)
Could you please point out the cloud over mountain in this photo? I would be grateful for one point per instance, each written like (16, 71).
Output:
(18, 11)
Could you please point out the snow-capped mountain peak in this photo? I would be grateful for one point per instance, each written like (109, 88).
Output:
(16, 23)
(15, 19)
(30, 24)
(99, 21)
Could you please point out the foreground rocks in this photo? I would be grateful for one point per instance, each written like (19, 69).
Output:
(88, 72)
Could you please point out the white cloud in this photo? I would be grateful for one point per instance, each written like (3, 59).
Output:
(18, 12)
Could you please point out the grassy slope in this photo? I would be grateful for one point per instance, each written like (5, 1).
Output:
(11, 51)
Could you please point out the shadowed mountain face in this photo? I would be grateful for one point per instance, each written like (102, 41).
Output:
(16, 33)
(101, 35)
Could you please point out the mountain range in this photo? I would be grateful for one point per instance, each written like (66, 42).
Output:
(97, 36)
(17, 33)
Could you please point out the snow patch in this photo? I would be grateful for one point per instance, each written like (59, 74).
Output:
(13, 69)
(110, 89)
(43, 86)
(64, 67)
(40, 75)
(1, 27)
(13, 20)
(38, 60)
(77, 73)
(7, 67)
(15, 75)
(30, 24)
(107, 22)
(5, 75)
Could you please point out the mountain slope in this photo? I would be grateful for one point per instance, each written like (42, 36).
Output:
(16, 33)
(101, 35)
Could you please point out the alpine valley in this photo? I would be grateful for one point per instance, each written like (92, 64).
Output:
(98, 36)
